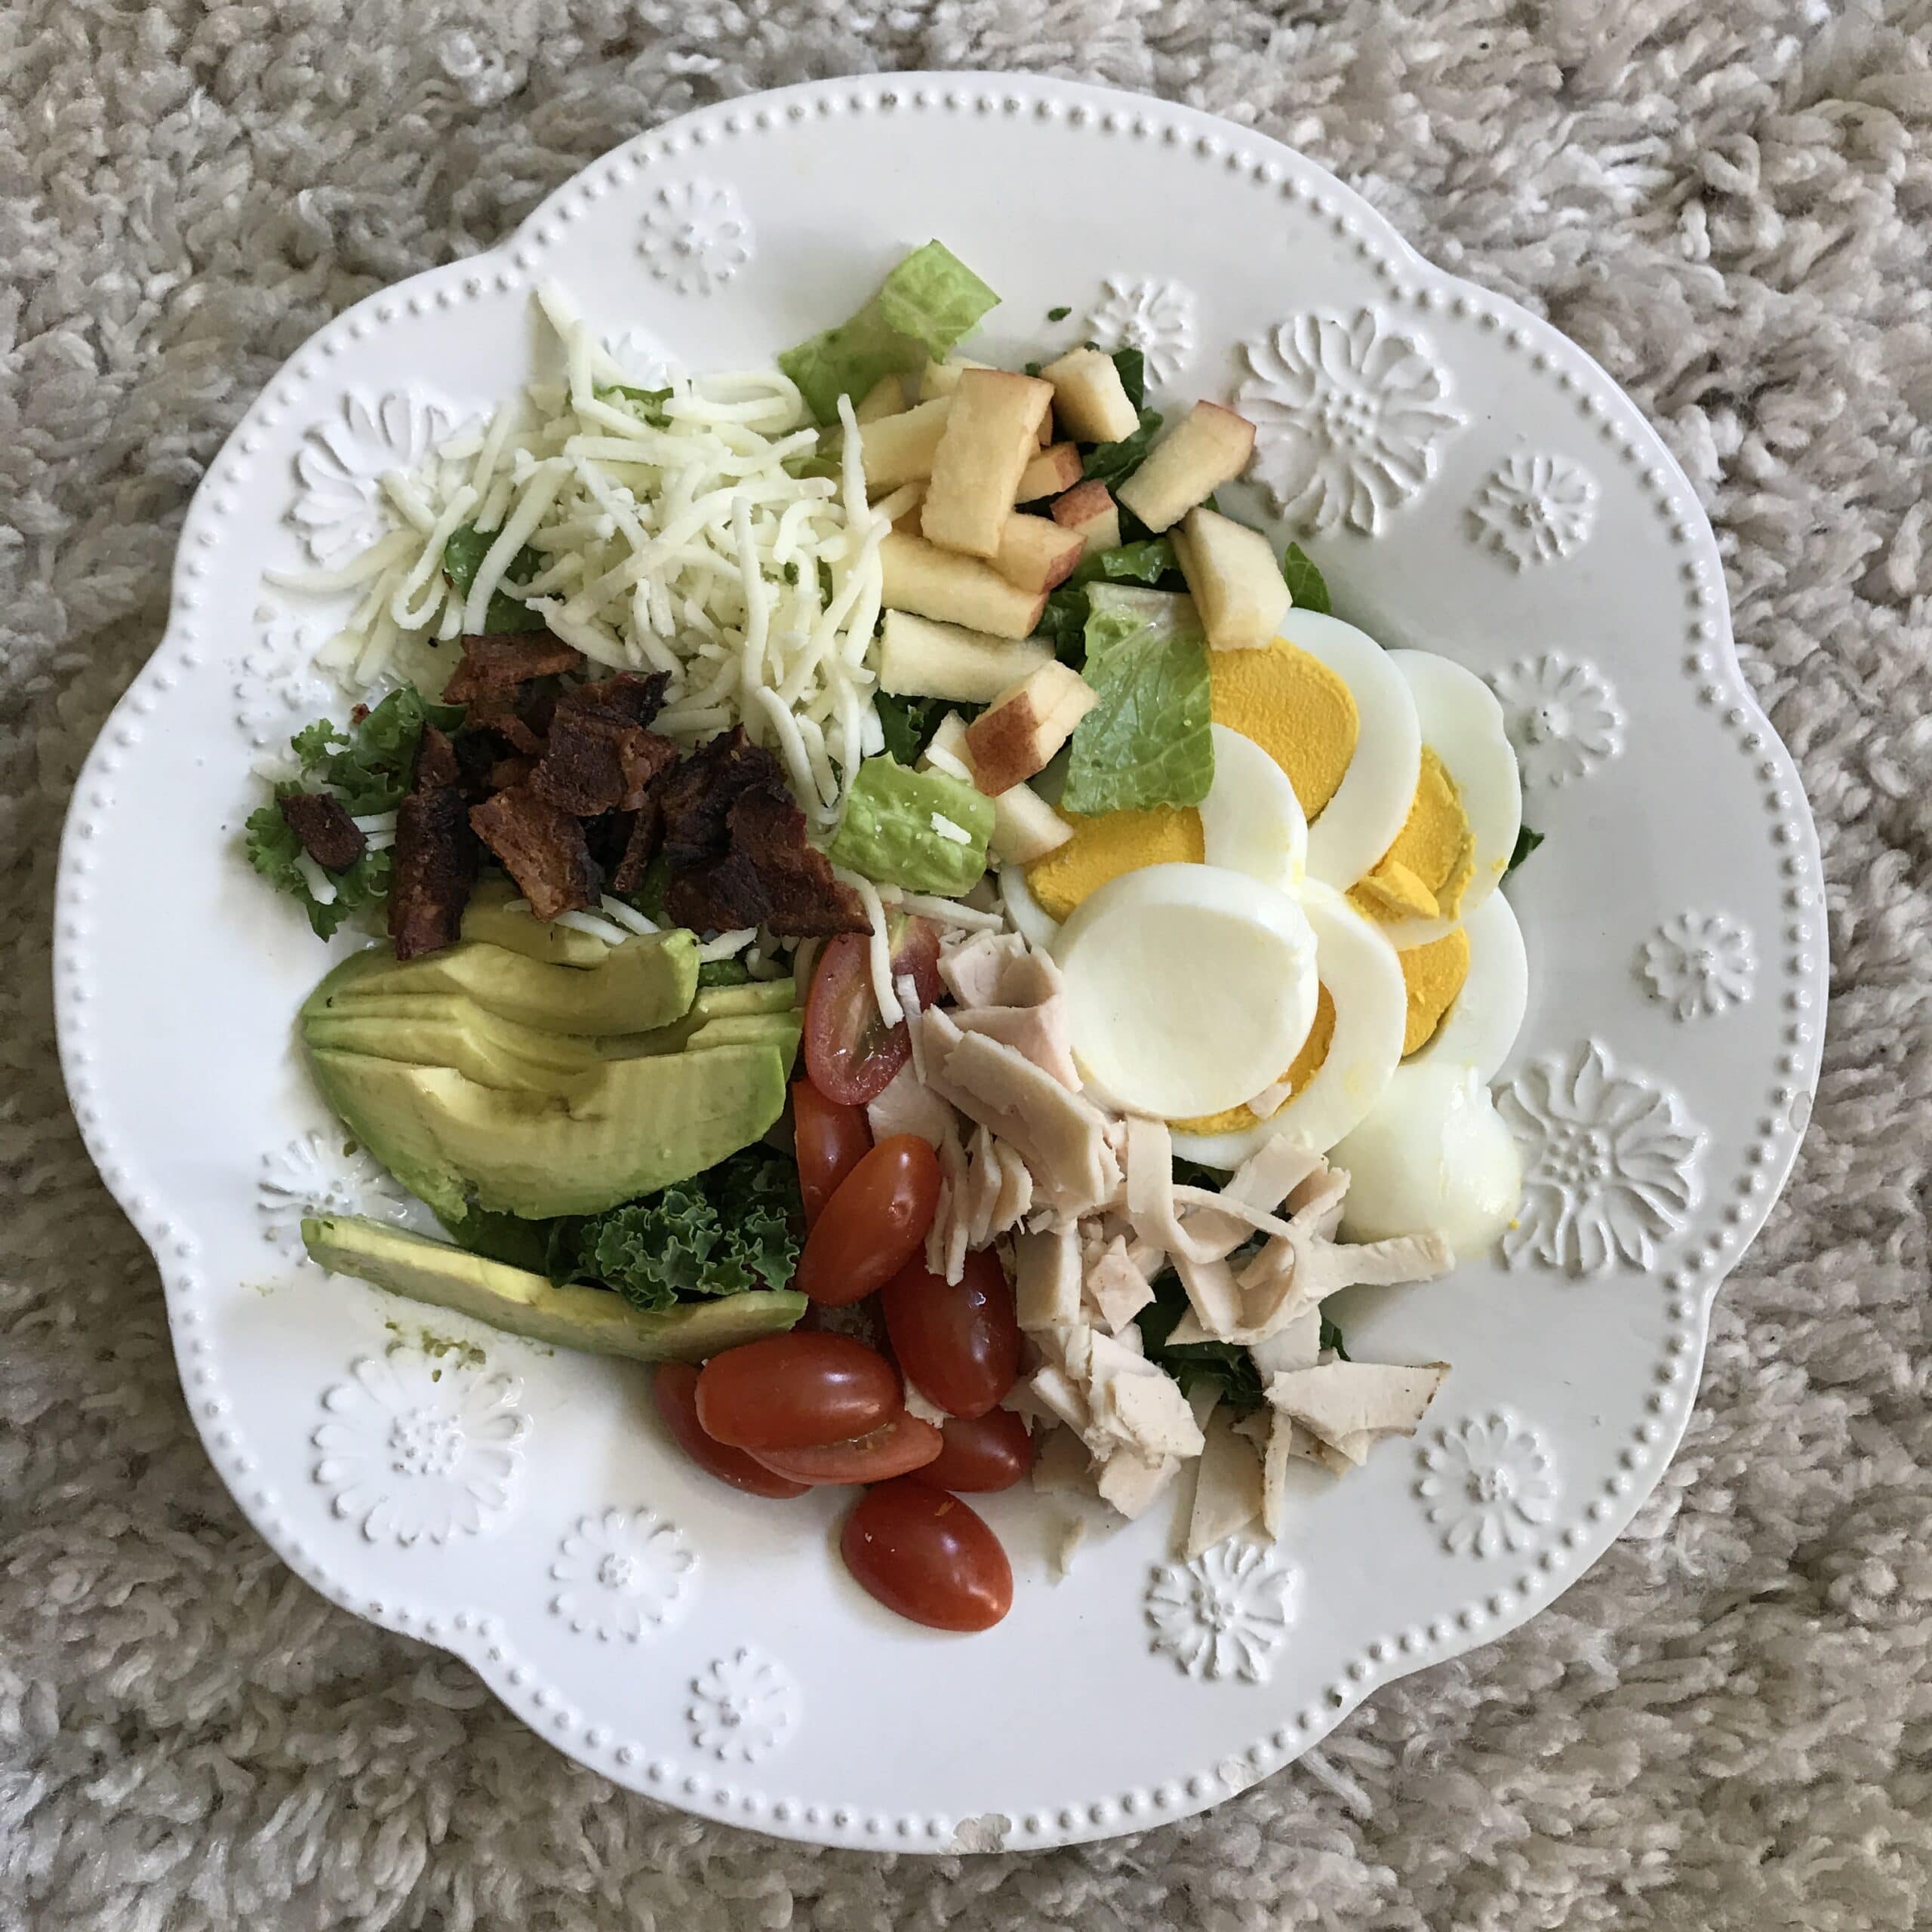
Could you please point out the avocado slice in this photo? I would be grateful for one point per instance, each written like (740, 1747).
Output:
(647, 982)
(628, 1128)
(440, 1029)
(592, 1319)
(487, 919)
(754, 996)
(696, 1034)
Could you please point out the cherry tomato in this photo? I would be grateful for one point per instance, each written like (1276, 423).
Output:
(981, 1452)
(675, 1387)
(927, 1556)
(850, 1053)
(795, 1391)
(957, 1343)
(872, 1227)
(831, 1140)
(895, 1448)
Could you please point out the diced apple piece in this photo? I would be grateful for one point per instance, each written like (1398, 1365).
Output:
(942, 378)
(1090, 399)
(917, 658)
(1017, 734)
(1025, 826)
(1088, 510)
(887, 396)
(991, 430)
(1035, 553)
(900, 449)
(1055, 468)
(931, 582)
(1208, 447)
(1237, 585)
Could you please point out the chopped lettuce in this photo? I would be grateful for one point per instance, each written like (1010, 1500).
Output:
(1148, 742)
(1146, 562)
(734, 1227)
(891, 831)
(1132, 365)
(724, 972)
(1306, 585)
(646, 405)
(908, 724)
(924, 306)
(1192, 1363)
(1527, 842)
(368, 767)
(463, 558)
(1113, 464)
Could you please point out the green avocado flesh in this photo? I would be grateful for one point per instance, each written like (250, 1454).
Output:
(482, 1077)
(591, 1319)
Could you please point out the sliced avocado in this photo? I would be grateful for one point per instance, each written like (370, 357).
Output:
(696, 1034)
(489, 919)
(647, 982)
(755, 996)
(628, 1128)
(592, 1319)
(447, 1031)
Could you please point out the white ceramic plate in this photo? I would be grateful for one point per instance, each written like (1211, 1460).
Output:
(1471, 483)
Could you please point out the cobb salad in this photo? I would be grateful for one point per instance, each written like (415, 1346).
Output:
(887, 899)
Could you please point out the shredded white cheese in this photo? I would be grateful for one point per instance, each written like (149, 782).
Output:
(628, 917)
(948, 829)
(681, 543)
(727, 946)
(890, 1010)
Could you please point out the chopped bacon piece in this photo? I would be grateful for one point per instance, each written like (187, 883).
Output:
(496, 712)
(500, 661)
(435, 857)
(641, 844)
(593, 763)
(542, 848)
(768, 876)
(328, 835)
(625, 697)
(698, 796)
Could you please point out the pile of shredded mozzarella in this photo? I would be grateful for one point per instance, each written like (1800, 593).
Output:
(690, 549)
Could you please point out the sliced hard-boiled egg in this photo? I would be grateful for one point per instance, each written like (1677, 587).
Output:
(1108, 844)
(1433, 1157)
(1362, 987)
(1356, 818)
(1460, 830)
(1185, 984)
(1476, 1025)
(1032, 924)
(1251, 821)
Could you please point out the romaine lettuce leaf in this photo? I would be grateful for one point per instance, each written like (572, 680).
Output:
(888, 833)
(1148, 741)
(1305, 583)
(463, 558)
(924, 307)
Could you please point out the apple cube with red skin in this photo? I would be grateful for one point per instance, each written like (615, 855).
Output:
(921, 577)
(1088, 510)
(1025, 826)
(1055, 468)
(1090, 400)
(1232, 572)
(1018, 733)
(900, 449)
(992, 429)
(1035, 553)
(918, 658)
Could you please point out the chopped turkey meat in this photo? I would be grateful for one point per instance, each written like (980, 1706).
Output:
(1227, 1484)
(1042, 1033)
(1115, 1287)
(905, 1106)
(1046, 1277)
(1341, 1401)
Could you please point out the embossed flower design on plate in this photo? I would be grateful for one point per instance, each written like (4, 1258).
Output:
(1562, 716)
(342, 462)
(624, 1573)
(1154, 316)
(742, 1706)
(421, 1446)
(319, 1173)
(1534, 509)
(1223, 1613)
(274, 688)
(1488, 1485)
(695, 236)
(1349, 417)
(1609, 1164)
(1698, 964)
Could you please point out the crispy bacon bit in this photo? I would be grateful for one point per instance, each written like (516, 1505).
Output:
(698, 796)
(435, 857)
(501, 662)
(641, 845)
(624, 697)
(768, 876)
(506, 772)
(496, 712)
(593, 763)
(542, 848)
(328, 835)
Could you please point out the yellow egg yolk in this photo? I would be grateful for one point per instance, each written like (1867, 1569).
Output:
(1103, 847)
(1433, 975)
(1424, 874)
(1295, 708)
(1307, 1065)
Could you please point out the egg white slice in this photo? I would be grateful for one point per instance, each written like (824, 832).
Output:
(1030, 918)
(1251, 821)
(1365, 980)
(1433, 1157)
(1359, 824)
(1487, 1015)
(1184, 983)
(1461, 723)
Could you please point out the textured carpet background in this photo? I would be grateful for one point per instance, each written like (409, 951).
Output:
(1729, 1723)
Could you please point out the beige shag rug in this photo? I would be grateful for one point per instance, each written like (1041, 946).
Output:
(1728, 1723)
